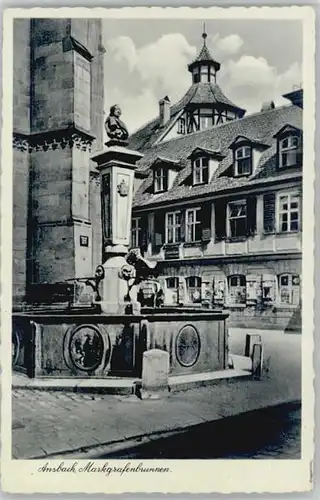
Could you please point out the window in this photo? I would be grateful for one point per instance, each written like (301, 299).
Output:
(243, 160)
(181, 126)
(237, 218)
(204, 74)
(193, 224)
(200, 171)
(289, 151)
(288, 212)
(237, 289)
(196, 75)
(289, 289)
(205, 119)
(173, 227)
(219, 291)
(194, 289)
(136, 232)
(172, 291)
(268, 289)
(160, 180)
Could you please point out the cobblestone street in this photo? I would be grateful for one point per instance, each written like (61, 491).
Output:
(73, 424)
(264, 434)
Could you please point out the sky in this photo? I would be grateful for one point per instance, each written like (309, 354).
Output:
(146, 60)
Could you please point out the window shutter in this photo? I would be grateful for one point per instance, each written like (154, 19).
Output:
(205, 174)
(300, 154)
(206, 221)
(251, 215)
(220, 208)
(159, 229)
(269, 209)
(144, 233)
(165, 180)
(183, 225)
(181, 291)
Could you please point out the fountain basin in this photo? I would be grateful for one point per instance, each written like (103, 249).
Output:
(60, 344)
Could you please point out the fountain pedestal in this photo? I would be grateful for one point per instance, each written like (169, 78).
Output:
(116, 166)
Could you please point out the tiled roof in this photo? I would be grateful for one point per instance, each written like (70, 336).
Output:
(205, 56)
(260, 127)
(198, 93)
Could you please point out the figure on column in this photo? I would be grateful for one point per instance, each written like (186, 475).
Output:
(115, 128)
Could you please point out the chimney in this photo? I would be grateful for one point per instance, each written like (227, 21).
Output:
(267, 105)
(164, 111)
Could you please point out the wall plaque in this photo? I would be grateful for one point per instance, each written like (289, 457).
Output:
(84, 241)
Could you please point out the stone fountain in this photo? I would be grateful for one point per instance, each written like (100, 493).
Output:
(109, 338)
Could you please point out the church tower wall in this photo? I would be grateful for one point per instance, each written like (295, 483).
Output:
(64, 126)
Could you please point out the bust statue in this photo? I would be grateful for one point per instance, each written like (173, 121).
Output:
(115, 128)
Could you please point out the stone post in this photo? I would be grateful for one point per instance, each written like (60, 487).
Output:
(155, 374)
(116, 166)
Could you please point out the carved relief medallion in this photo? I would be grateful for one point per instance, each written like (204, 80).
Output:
(187, 346)
(86, 348)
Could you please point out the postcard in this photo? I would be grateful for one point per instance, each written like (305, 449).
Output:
(157, 207)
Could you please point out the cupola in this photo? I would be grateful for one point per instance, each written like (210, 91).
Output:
(204, 68)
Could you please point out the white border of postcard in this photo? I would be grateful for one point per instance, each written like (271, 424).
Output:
(189, 476)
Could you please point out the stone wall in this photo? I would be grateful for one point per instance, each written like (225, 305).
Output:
(21, 125)
(58, 123)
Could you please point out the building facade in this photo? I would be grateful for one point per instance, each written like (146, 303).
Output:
(218, 193)
(58, 99)
(220, 207)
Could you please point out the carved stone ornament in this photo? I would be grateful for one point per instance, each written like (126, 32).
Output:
(123, 188)
(20, 143)
(187, 346)
(86, 348)
(59, 139)
(127, 272)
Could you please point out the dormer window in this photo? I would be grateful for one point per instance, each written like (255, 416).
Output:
(289, 151)
(201, 170)
(289, 147)
(160, 180)
(243, 160)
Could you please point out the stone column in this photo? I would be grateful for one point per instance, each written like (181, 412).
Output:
(116, 166)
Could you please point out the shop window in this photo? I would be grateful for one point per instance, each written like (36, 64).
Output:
(200, 171)
(160, 180)
(289, 289)
(237, 289)
(288, 212)
(243, 160)
(173, 227)
(194, 289)
(193, 224)
(268, 289)
(172, 290)
(237, 211)
(289, 151)
(219, 291)
(136, 232)
(252, 289)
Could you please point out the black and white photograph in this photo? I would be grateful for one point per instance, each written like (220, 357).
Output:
(159, 207)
